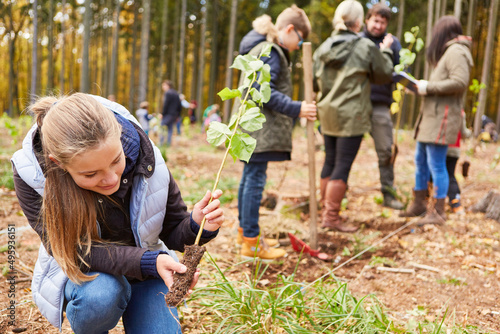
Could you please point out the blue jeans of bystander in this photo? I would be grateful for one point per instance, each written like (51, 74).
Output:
(430, 159)
(250, 192)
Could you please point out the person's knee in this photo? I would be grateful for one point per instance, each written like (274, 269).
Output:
(108, 293)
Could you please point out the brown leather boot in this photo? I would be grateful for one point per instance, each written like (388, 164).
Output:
(435, 213)
(418, 207)
(334, 193)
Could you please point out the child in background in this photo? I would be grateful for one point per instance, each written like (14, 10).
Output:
(143, 116)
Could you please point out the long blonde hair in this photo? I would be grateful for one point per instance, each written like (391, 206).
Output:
(347, 14)
(291, 15)
(69, 126)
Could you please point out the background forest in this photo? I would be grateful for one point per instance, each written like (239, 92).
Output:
(126, 48)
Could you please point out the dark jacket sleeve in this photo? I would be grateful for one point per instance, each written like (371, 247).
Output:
(177, 231)
(165, 105)
(108, 258)
(279, 102)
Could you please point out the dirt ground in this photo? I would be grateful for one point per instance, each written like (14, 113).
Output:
(417, 273)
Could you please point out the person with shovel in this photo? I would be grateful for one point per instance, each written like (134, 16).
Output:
(344, 66)
(377, 19)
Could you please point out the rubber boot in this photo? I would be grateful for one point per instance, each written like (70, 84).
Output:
(418, 206)
(257, 247)
(392, 202)
(435, 213)
(270, 242)
(335, 191)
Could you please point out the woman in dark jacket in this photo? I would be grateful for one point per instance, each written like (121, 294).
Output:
(440, 118)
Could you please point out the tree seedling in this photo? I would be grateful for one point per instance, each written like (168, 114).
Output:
(239, 144)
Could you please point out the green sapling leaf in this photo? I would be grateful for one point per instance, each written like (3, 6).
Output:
(256, 96)
(265, 91)
(242, 146)
(256, 65)
(265, 74)
(252, 119)
(241, 64)
(409, 37)
(266, 50)
(419, 45)
(227, 94)
(218, 133)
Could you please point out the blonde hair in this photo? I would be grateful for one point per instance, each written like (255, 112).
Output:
(69, 126)
(347, 14)
(291, 15)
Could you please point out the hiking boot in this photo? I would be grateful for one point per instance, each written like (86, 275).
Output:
(391, 202)
(257, 247)
(456, 207)
(270, 242)
(334, 193)
(418, 206)
(435, 213)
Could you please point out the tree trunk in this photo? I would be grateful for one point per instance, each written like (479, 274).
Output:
(201, 64)
(34, 53)
(428, 35)
(143, 65)
(490, 204)
(11, 42)
(401, 14)
(444, 4)
(485, 76)
(229, 58)
(63, 44)
(163, 50)
(470, 17)
(214, 58)
(114, 51)
(135, 26)
(173, 67)
(84, 75)
(182, 49)
(457, 9)
(50, 46)
(437, 10)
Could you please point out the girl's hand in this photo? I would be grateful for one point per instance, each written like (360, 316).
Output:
(167, 266)
(308, 110)
(213, 213)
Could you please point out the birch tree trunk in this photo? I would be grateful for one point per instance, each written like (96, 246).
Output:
(34, 53)
(135, 26)
(457, 9)
(63, 44)
(470, 17)
(182, 49)
(201, 64)
(485, 76)
(114, 51)
(428, 34)
(173, 67)
(214, 58)
(401, 13)
(163, 50)
(50, 46)
(84, 75)
(229, 58)
(143, 64)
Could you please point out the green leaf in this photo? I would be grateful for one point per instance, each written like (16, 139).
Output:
(399, 67)
(227, 94)
(218, 133)
(265, 74)
(256, 96)
(406, 57)
(415, 30)
(232, 121)
(256, 65)
(266, 50)
(409, 37)
(241, 64)
(252, 120)
(265, 91)
(242, 146)
(419, 45)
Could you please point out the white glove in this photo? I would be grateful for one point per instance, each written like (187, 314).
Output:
(422, 87)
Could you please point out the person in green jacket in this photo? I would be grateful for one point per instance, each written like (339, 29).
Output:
(440, 117)
(344, 67)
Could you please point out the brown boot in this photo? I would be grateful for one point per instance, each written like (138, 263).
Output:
(270, 242)
(418, 206)
(257, 247)
(334, 194)
(435, 213)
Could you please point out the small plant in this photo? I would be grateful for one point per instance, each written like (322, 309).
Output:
(377, 261)
(238, 144)
(475, 88)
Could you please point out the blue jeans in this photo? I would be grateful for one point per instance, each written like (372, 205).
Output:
(96, 306)
(431, 159)
(252, 185)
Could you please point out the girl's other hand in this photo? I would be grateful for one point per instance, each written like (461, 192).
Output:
(213, 212)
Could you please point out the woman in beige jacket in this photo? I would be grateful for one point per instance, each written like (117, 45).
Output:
(440, 118)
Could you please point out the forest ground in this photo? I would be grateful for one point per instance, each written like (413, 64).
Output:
(463, 256)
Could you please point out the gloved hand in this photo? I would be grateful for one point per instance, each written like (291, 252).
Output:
(422, 87)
